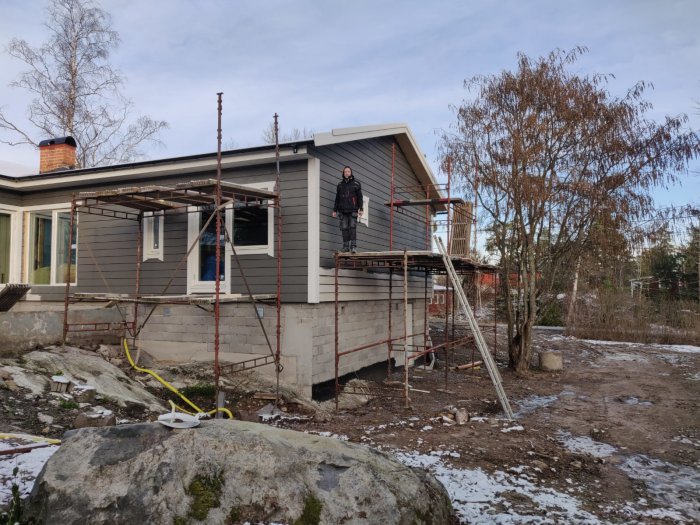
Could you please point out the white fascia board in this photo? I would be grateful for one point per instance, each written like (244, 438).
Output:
(403, 136)
(157, 170)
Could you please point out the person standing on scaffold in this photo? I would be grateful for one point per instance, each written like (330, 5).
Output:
(347, 208)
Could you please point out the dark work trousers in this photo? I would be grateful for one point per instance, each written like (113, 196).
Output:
(348, 227)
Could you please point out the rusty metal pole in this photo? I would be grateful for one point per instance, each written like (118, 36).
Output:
(217, 305)
(70, 249)
(391, 199)
(278, 190)
(391, 335)
(337, 357)
(137, 290)
(425, 317)
(476, 202)
(405, 328)
(447, 326)
(449, 206)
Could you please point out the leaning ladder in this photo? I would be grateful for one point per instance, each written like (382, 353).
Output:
(478, 336)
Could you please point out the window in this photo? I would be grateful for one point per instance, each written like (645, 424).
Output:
(253, 225)
(153, 228)
(252, 232)
(49, 251)
(201, 263)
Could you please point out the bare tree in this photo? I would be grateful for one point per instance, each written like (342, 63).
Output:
(268, 134)
(76, 91)
(557, 156)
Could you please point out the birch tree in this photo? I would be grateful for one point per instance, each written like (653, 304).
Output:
(76, 91)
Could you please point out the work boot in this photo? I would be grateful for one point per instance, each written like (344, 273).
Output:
(353, 248)
(345, 248)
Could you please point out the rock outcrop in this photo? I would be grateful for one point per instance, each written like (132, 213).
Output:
(228, 472)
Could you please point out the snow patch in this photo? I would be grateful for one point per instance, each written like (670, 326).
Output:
(585, 445)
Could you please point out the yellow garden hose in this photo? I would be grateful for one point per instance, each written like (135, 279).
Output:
(36, 439)
(172, 388)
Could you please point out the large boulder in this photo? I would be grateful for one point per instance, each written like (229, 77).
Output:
(228, 472)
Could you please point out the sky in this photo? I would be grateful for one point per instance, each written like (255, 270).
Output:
(324, 64)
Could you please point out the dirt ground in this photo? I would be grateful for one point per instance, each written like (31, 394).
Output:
(613, 438)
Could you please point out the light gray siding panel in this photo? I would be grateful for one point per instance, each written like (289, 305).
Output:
(371, 163)
(11, 198)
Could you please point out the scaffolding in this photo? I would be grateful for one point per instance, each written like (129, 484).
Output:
(212, 196)
(455, 221)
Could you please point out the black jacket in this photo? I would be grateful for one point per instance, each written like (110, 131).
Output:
(348, 196)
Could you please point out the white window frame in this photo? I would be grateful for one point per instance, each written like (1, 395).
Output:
(15, 213)
(194, 285)
(365, 211)
(149, 222)
(55, 209)
(268, 248)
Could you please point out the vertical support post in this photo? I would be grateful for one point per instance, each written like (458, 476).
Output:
(405, 329)
(337, 357)
(449, 205)
(391, 199)
(391, 333)
(496, 289)
(137, 289)
(476, 202)
(425, 316)
(70, 249)
(278, 191)
(447, 326)
(217, 305)
(427, 220)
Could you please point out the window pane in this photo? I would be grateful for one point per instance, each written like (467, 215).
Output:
(40, 248)
(207, 249)
(4, 248)
(63, 232)
(250, 226)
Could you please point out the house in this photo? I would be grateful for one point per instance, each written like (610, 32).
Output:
(35, 230)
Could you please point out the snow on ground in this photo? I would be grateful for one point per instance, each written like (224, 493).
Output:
(29, 466)
(585, 445)
(685, 349)
(482, 498)
(532, 403)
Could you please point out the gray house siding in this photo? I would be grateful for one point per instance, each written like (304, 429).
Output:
(10, 198)
(112, 242)
(371, 164)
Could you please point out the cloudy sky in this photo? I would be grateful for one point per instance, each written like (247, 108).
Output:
(324, 64)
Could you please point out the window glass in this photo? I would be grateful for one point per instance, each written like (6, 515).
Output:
(40, 247)
(207, 249)
(63, 251)
(250, 225)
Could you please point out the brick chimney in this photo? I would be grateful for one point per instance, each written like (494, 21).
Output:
(57, 154)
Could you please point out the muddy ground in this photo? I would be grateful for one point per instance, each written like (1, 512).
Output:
(613, 438)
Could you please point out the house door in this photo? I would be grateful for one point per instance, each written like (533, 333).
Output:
(5, 246)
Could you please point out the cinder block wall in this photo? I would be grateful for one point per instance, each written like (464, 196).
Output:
(186, 333)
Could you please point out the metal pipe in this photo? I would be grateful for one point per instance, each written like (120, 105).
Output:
(337, 357)
(405, 328)
(388, 361)
(278, 190)
(391, 199)
(217, 311)
(70, 249)
(137, 288)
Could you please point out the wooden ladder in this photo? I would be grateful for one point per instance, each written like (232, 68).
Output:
(478, 336)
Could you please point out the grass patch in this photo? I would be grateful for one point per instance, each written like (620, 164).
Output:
(311, 515)
(206, 494)
(67, 404)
